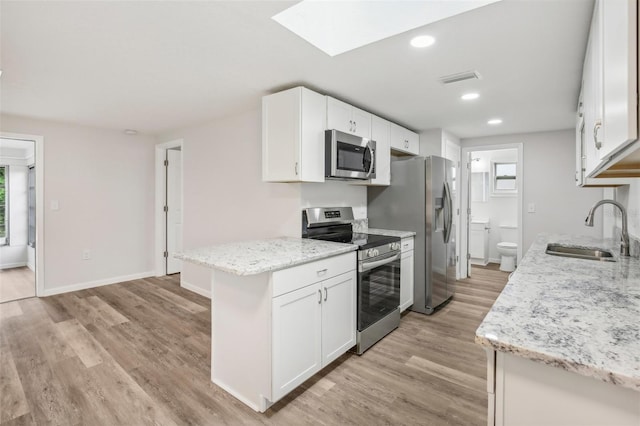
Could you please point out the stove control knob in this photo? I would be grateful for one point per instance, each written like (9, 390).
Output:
(376, 252)
(394, 246)
(370, 253)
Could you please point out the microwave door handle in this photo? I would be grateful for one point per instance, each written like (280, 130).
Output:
(372, 159)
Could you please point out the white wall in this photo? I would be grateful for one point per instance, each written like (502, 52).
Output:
(15, 254)
(103, 181)
(224, 197)
(629, 196)
(549, 182)
(335, 194)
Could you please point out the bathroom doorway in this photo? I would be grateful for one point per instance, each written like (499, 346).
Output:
(492, 202)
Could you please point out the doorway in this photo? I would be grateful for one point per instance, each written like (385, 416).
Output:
(168, 207)
(492, 204)
(21, 194)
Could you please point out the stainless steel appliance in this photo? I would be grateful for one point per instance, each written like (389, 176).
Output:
(348, 156)
(420, 199)
(378, 295)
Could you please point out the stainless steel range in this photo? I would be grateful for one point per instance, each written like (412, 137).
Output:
(378, 270)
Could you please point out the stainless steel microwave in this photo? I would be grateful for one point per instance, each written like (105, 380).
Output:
(348, 156)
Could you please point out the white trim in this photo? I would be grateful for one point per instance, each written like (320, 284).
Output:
(160, 230)
(464, 196)
(96, 283)
(39, 155)
(13, 265)
(196, 289)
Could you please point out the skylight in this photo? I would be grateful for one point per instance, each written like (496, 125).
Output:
(336, 27)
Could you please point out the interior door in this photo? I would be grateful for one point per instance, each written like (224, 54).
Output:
(174, 210)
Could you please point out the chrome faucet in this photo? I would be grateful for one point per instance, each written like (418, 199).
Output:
(624, 246)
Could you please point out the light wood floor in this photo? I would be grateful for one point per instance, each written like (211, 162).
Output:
(138, 353)
(17, 283)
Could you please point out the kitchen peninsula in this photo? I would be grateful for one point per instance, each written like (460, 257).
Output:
(281, 310)
(563, 340)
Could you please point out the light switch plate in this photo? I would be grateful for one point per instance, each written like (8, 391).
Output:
(55, 205)
(531, 208)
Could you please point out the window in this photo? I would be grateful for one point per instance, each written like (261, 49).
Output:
(4, 205)
(504, 178)
(31, 188)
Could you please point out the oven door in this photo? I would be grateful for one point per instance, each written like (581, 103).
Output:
(378, 288)
(349, 156)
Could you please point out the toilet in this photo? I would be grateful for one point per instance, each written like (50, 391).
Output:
(508, 250)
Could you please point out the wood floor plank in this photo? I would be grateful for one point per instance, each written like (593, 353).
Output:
(10, 309)
(139, 353)
(84, 345)
(12, 399)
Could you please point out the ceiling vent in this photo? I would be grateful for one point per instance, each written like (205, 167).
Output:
(461, 76)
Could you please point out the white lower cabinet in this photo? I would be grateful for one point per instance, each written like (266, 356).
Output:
(272, 331)
(532, 393)
(406, 274)
(312, 326)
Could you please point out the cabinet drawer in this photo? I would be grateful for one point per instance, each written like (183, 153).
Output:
(406, 244)
(296, 277)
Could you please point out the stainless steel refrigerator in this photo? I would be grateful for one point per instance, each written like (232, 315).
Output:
(420, 199)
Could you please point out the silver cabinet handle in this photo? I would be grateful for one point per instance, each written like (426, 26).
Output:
(319, 297)
(296, 168)
(351, 125)
(322, 272)
(325, 294)
(355, 127)
(597, 127)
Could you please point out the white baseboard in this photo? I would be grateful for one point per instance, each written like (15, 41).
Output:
(97, 283)
(13, 265)
(493, 260)
(196, 289)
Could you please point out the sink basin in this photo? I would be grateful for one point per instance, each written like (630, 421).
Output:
(580, 252)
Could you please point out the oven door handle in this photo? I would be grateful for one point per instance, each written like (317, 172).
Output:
(367, 266)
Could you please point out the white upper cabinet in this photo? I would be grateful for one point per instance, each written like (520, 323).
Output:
(607, 121)
(620, 76)
(404, 140)
(347, 118)
(293, 124)
(381, 134)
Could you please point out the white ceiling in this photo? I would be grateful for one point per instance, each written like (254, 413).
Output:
(158, 66)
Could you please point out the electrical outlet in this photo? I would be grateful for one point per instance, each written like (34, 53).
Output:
(532, 208)
(86, 254)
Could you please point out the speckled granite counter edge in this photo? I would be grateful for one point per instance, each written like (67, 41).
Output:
(389, 232)
(196, 257)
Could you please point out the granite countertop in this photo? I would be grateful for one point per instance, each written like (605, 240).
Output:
(390, 233)
(255, 257)
(579, 315)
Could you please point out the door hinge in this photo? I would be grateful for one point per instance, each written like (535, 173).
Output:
(166, 209)
(469, 166)
(166, 254)
(468, 211)
(456, 260)
(457, 212)
(166, 163)
(468, 256)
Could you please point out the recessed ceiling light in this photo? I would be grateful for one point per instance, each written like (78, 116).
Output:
(469, 96)
(494, 121)
(422, 41)
(130, 132)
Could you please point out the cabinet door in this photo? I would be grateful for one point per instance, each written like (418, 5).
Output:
(406, 280)
(314, 118)
(339, 115)
(281, 136)
(338, 316)
(413, 142)
(381, 134)
(404, 140)
(619, 75)
(361, 122)
(296, 333)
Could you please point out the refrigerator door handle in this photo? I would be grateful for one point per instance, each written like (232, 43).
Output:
(449, 208)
